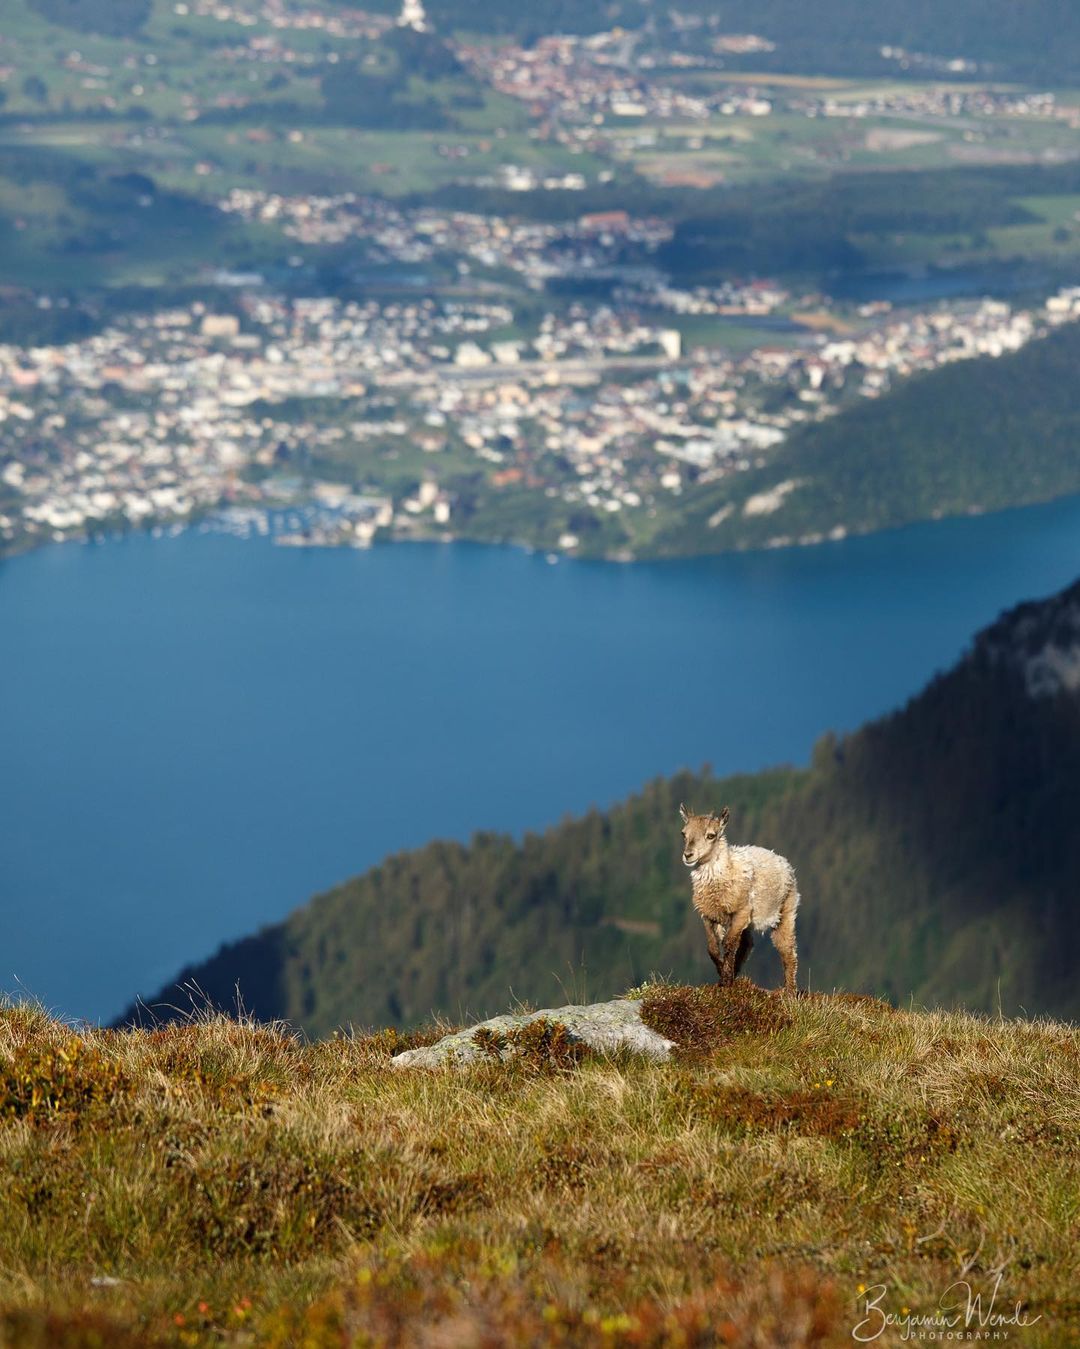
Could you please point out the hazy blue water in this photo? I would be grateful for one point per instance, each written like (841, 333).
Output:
(198, 733)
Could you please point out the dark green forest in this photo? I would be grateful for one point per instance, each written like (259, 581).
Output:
(819, 226)
(936, 852)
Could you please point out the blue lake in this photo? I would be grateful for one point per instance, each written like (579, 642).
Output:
(200, 732)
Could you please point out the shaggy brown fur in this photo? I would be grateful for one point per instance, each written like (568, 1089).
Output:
(737, 890)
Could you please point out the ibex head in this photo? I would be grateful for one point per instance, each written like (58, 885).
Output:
(702, 835)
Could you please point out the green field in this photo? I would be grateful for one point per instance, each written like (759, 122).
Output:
(708, 331)
(740, 149)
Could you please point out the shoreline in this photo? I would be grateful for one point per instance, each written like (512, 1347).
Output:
(207, 523)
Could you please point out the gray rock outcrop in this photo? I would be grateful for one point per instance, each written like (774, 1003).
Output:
(603, 1026)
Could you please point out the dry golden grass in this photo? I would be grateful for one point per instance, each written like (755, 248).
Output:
(226, 1183)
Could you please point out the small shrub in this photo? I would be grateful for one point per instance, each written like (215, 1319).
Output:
(538, 1046)
(234, 1064)
(454, 1194)
(900, 1137)
(740, 1111)
(275, 1202)
(563, 1165)
(427, 1301)
(865, 1002)
(702, 1018)
(43, 1329)
(233, 1094)
(58, 1081)
(1044, 1135)
(890, 1137)
(381, 1046)
(40, 1184)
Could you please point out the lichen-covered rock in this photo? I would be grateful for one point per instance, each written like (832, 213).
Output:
(603, 1026)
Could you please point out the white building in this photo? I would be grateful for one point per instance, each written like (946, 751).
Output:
(671, 343)
(412, 16)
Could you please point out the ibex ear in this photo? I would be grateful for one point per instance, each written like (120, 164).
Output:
(683, 812)
(723, 817)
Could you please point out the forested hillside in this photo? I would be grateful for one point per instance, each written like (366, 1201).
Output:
(979, 435)
(936, 850)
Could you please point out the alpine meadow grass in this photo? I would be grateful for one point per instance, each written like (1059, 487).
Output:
(224, 1182)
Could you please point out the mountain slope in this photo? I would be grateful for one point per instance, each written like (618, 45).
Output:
(936, 851)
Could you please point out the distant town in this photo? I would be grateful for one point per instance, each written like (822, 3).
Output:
(402, 418)
(380, 280)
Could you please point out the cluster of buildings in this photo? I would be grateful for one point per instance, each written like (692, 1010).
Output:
(572, 79)
(755, 298)
(571, 82)
(169, 415)
(152, 419)
(303, 411)
(596, 244)
(346, 21)
(343, 22)
(913, 342)
(575, 87)
(935, 101)
(608, 445)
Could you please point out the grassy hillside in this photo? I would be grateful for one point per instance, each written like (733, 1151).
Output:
(936, 852)
(222, 1183)
(979, 435)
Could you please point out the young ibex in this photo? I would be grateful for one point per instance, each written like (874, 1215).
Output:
(737, 890)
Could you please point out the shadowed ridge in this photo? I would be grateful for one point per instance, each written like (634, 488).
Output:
(244, 977)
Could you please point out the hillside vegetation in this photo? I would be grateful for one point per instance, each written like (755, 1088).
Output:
(841, 36)
(225, 1183)
(979, 435)
(936, 851)
(846, 35)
